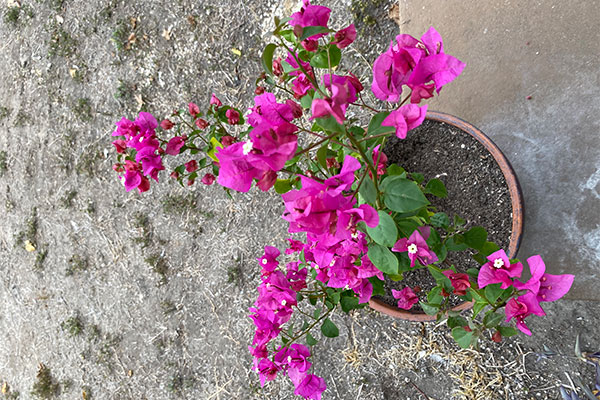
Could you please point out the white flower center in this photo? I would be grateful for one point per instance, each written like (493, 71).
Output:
(332, 263)
(289, 359)
(247, 147)
(142, 138)
(283, 302)
(354, 235)
(412, 249)
(264, 261)
(498, 263)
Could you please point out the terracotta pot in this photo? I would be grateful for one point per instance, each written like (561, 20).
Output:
(516, 198)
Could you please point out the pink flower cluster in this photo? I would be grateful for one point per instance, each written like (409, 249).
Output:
(272, 142)
(539, 288)
(329, 217)
(273, 308)
(343, 90)
(140, 136)
(421, 65)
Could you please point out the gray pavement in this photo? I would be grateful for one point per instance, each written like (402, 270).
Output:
(532, 85)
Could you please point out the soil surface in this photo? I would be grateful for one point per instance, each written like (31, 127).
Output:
(477, 191)
(145, 296)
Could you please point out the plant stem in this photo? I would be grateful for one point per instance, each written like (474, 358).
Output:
(305, 331)
(308, 76)
(312, 146)
(369, 165)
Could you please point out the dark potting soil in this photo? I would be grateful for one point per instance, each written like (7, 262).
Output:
(477, 192)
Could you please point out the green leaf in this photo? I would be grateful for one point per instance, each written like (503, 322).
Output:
(385, 233)
(478, 306)
(349, 303)
(507, 331)
(402, 195)
(435, 295)
(215, 144)
(407, 226)
(492, 319)
(440, 220)
(329, 329)
(309, 31)
(436, 187)
(475, 237)
(317, 313)
(458, 221)
(383, 259)
(378, 287)
(329, 124)
(453, 322)
(440, 278)
(395, 169)
(267, 58)
(325, 56)
(462, 337)
(310, 340)
(415, 176)
(335, 297)
(282, 186)
(452, 244)
(375, 127)
(480, 258)
(492, 292)
(430, 309)
(367, 190)
(488, 248)
(322, 156)
(473, 273)
(306, 101)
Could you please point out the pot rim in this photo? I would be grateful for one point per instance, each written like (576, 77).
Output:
(516, 198)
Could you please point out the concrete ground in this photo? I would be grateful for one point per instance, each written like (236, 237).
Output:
(128, 296)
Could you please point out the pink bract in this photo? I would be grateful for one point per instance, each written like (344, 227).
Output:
(416, 246)
(345, 37)
(311, 387)
(311, 15)
(545, 286)
(498, 270)
(174, 145)
(406, 298)
(406, 118)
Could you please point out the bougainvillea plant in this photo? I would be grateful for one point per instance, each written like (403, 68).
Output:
(356, 220)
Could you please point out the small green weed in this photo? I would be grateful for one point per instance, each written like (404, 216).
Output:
(83, 109)
(4, 112)
(142, 223)
(179, 382)
(67, 199)
(73, 326)
(77, 263)
(124, 91)
(40, 257)
(87, 163)
(30, 233)
(159, 265)
(168, 307)
(22, 119)
(61, 43)
(44, 386)
(3, 162)
(177, 204)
